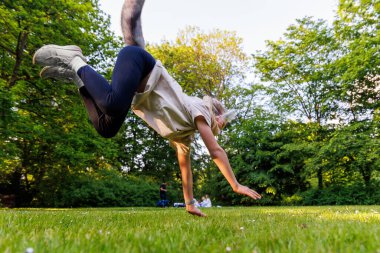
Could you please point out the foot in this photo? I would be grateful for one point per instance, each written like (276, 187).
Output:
(53, 55)
(191, 209)
(61, 74)
(131, 23)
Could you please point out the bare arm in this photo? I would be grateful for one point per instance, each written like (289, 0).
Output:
(220, 158)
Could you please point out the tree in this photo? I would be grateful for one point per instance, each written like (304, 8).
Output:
(205, 63)
(357, 30)
(299, 71)
(44, 126)
(351, 152)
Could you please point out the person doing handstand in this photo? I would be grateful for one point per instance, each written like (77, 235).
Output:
(142, 83)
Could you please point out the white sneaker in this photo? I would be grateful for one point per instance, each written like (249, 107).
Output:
(53, 55)
(61, 74)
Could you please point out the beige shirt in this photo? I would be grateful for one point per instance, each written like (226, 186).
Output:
(169, 111)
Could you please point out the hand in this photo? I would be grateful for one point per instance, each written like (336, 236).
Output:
(191, 209)
(241, 189)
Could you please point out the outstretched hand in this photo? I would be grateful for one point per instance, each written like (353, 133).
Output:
(241, 189)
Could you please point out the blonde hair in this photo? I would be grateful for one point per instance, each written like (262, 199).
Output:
(218, 109)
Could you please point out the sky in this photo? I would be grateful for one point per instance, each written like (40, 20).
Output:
(253, 20)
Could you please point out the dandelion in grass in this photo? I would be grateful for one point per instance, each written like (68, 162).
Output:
(29, 250)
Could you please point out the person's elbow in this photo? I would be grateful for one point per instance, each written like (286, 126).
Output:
(216, 152)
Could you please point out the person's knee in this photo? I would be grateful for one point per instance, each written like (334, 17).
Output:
(106, 133)
(117, 105)
(138, 54)
(113, 109)
(131, 51)
(107, 130)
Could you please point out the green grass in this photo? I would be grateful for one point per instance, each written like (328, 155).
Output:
(233, 229)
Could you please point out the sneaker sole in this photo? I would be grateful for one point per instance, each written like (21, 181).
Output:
(43, 70)
(63, 79)
(71, 48)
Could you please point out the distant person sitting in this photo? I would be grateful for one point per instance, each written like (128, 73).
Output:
(206, 202)
(202, 201)
(196, 203)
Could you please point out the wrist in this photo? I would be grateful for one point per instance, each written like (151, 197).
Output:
(191, 202)
(235, 187)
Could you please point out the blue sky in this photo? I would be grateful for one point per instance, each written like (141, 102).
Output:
(253, 20)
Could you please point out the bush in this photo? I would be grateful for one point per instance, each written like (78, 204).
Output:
(101, 189)
(356, 194)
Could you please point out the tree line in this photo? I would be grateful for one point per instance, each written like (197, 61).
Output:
(307, 130)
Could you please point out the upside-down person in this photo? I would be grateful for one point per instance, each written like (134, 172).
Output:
(141, 82)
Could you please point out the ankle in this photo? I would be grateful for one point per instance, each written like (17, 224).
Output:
(76, 63)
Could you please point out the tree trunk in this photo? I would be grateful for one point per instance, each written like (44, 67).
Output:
(320, 179)
(21, 45)
(366, 174)
(15, 186)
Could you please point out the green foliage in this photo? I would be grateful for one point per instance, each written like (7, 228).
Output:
(307, 134)
(7, 115)
(299, 70)
(326, 78)
(99, 189)
(147, 152)
(45, 126)
(205, 63)
(247, 143)
(350, 154)
(356, 194)
(357, 69)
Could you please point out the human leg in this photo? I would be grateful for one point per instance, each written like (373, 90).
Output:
(106, 104)
(106, 125)
(133, 64)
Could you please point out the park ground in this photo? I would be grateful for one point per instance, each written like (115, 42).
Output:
(226, 229)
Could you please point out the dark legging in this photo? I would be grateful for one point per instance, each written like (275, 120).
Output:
(108, 105)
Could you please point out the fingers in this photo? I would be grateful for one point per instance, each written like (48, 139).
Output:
(250, 193)
(255, 195)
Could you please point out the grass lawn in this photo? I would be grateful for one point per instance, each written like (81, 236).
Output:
(228, 229)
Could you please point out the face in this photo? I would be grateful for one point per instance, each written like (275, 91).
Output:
(220, 121)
